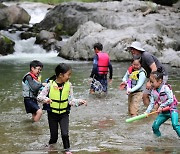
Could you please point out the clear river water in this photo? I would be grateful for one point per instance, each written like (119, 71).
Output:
(98, 128)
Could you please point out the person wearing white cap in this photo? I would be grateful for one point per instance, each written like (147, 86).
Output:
(150, 63)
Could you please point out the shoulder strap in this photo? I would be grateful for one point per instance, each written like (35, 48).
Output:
(143, 70)
(24, 78)
(170, 87)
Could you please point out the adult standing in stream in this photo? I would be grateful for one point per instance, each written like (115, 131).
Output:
(150, 63)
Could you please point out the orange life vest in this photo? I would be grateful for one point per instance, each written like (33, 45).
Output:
(103, 62)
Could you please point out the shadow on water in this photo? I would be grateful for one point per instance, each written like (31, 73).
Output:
(99, 128)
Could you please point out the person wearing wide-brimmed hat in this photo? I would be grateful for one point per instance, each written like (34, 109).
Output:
(150, 63)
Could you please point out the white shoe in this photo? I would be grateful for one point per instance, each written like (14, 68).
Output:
(68, 152)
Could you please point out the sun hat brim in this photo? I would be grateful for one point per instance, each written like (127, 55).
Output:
(137, 46)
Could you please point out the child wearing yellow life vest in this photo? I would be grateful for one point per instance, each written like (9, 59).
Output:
(134, 80)
(58, 97)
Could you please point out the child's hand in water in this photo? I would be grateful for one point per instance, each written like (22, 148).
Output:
(81, 102)
(122, 85)
(110, 81)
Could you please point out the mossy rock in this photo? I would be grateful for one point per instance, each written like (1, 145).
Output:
(7, 45)
(2, 6)
(7, 40)
(59, 31)
(59, 27)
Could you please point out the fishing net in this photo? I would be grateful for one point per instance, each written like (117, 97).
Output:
(97, 86)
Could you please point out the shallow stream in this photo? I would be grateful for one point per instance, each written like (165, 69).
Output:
(98, 128)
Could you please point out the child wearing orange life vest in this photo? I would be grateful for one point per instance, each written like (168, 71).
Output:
(162, 96)
(134, 80)
(58, 97)
(101, 65)
(31, 85)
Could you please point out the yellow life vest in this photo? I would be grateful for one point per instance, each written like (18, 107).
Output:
(59, 97)
(134, 75)
(39, 78)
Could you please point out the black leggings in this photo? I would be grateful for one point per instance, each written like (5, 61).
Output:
(62, 119)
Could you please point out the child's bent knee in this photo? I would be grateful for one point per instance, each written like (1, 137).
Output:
(39, 112)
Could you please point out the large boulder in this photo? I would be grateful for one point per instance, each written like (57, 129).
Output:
(113, 15)
(116, 25)
(80, 45)
(13, 15)
(171, 57)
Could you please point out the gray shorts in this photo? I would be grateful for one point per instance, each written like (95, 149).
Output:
(148, 91)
